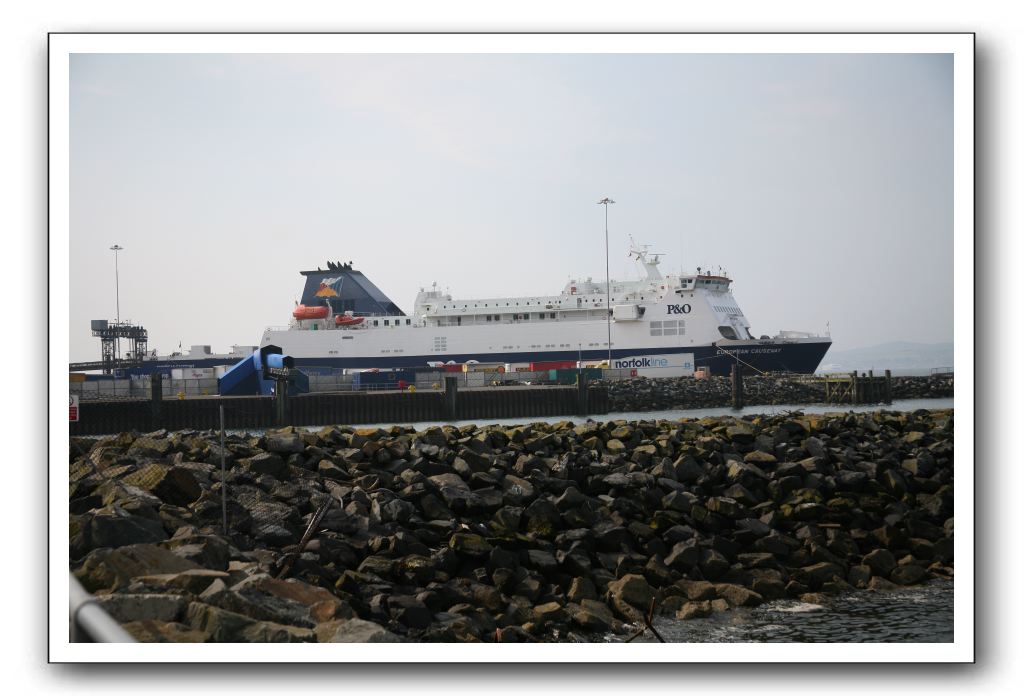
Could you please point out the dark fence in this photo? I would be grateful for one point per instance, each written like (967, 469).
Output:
(352, 408)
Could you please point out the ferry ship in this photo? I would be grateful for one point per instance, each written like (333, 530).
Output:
(345, 321)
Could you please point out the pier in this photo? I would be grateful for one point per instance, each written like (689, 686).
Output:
(857, 388)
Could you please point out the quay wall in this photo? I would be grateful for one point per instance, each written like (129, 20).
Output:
(349, 408)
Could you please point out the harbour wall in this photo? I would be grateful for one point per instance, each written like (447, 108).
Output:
(139, 415)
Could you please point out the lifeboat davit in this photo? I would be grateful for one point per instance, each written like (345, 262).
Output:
(303, 312)
(348, 320)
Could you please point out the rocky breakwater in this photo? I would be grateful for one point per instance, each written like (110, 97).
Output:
(536, 532)
(642, 394)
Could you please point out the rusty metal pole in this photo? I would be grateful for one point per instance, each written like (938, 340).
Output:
(582, 394)
(223, 476)
(156, 399)
(451, 398)
(737, 400)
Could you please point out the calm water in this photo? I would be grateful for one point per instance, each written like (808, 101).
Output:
(921, 614)
(903, 405)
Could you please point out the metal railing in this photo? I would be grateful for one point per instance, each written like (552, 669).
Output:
(139, 389)
(89, 623)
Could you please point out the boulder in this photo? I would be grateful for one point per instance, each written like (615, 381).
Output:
(697, 590)
(738, 596)
(284, 443)
(174, 485)
(580, 589)
(550, 612)
(470, 544)
(694, 610)
(143, 607)
(113, 527)
(265, 463)
(633, 589)
(111, 569)
(591, 615)
(880, 561)
(193, 581)
(909, 574)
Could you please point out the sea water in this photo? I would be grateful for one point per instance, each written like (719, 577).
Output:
(919, 614)
(678, 414)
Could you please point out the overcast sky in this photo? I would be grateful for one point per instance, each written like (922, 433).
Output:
(821, 183)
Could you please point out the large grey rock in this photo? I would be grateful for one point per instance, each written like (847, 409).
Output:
(358, 631)
(909, 574)
(174, 485)
(114, 568)
(633, 589)
(284, 443)
(143, 607)
(880, 561)
(113, 527)
(738, 596)
(591, 615)
(266, 463)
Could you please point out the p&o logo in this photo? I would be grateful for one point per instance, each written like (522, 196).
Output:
(679, 309)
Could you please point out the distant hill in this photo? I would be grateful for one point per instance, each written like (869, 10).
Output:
(901, 357)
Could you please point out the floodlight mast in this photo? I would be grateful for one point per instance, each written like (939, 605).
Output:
(117, 293)
(607, 276)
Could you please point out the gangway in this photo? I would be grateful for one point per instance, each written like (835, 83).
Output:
(261, 372)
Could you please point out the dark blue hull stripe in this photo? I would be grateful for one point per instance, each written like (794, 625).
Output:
(786, 357)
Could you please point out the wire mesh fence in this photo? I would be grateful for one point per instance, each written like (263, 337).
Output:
(329, 381)
(222, 482)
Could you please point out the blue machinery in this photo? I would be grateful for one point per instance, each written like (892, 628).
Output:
(266, 372)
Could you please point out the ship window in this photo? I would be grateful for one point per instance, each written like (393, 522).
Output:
(670, 328)
(656, 327)
(375, 323)
(408, 322)
(387, 322)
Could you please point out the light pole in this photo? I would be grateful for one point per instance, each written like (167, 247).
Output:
(117, 293)
(607, 275)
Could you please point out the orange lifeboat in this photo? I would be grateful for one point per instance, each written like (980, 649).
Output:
(348, 320)
(303, 312)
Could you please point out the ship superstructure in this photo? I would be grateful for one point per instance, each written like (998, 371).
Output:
(345, 321)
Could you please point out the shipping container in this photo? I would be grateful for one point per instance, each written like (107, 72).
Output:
(193, 373)
(545, 365)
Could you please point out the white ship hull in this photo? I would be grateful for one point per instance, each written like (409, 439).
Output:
(694, 314)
